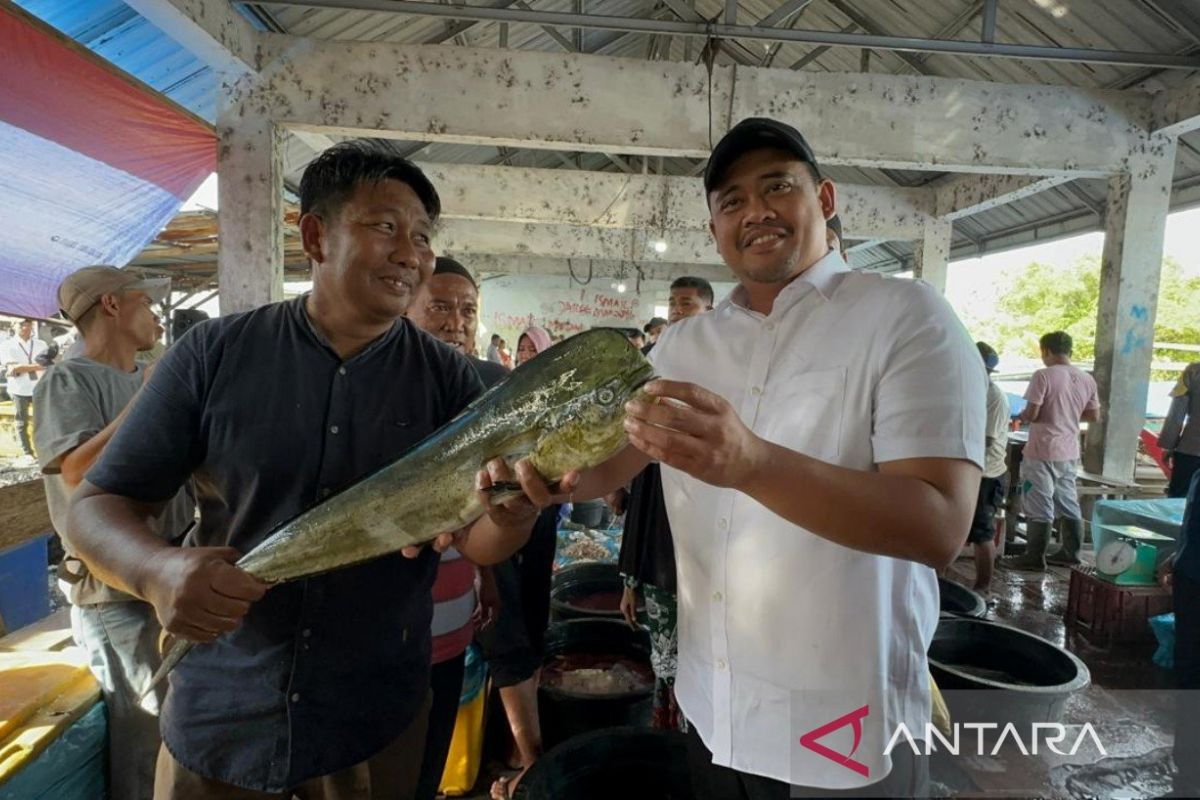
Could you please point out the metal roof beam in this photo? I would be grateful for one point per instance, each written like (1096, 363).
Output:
(783, 14)
(735, 50)
(988, 34)
(455, 28)
(1083, 197)
(972, 194)
(704, 29)
(563, 42)
(864, 22)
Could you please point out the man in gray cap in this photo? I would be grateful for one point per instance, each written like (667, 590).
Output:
(79, 405)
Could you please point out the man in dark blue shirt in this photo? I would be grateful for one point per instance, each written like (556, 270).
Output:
(1183, 571)
(319, 686)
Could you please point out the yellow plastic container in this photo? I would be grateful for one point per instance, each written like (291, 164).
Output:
(41, 694)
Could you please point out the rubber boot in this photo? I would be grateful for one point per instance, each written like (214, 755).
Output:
(1037, 535)
(1072, 536)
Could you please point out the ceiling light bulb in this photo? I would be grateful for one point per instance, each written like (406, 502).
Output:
(660, 246)
(621, 287)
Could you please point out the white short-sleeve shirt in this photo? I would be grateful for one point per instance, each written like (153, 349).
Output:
(780, 630)
(22, 353)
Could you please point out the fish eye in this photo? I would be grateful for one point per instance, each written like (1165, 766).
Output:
(605, 396)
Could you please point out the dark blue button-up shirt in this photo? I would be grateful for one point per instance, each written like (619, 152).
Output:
(268, 419)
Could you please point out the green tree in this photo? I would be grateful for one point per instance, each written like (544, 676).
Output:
(1044, 298)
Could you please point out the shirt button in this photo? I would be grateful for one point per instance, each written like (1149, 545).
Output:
(722, 523)
(720, 666)
(296, 697)
(333, 428)
(754, 390)
(325, 492)
(341, 370)
(770, 326)
(717, 597)
(307, 632)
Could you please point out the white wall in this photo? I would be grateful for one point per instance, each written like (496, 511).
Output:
(512, 303)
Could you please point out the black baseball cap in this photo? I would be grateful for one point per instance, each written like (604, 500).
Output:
(754, 133)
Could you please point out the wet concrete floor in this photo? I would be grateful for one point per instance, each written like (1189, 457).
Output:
(1127, 704)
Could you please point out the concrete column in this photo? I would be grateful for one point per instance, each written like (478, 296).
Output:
(250, 212)
(932, 255)
(1130, 271)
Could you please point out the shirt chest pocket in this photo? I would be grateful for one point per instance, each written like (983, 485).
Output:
(804, 412)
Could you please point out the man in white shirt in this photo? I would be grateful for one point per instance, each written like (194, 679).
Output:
(20, 357)
(821, 447)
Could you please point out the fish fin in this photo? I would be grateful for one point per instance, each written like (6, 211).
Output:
(178, 650)
(503, 491)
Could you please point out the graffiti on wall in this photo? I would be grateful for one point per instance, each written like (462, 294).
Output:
(512, 304)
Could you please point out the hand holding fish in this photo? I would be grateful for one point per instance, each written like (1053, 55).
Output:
(197, 592)
(519, 511)
(704, 437)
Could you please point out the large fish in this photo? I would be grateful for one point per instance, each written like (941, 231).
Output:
(563, 411)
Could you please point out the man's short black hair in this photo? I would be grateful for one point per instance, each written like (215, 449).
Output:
(448, 266)
(1058, 343)
(332, 177)
(702, 287)
(496, 338)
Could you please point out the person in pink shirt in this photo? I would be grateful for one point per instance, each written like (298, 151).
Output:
(1058, 398)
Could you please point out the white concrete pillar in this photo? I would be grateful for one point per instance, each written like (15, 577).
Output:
(250, 210)
(932, 255)
(1130, 270)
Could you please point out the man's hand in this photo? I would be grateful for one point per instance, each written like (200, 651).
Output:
(517, 512)
(704, 438)
(1166, 572)
(197, 592)
(617, 501)
(487, 611)
(629, 603)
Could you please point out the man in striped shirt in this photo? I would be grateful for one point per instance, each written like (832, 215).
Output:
(446, 305)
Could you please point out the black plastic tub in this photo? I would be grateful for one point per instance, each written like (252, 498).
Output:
(566, 713)
(960, 601)
(635, 763)
(587, 590)
(990, 672)
(591, 513)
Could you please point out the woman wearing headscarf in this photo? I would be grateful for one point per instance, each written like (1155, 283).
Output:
(515, 645)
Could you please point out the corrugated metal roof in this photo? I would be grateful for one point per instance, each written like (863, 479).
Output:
(116, 32)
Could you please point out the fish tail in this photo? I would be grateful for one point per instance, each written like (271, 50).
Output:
(172, 658)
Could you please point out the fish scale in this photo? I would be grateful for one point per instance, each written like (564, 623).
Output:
(564, 410)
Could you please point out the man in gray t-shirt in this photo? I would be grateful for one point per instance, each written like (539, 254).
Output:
(79, 405)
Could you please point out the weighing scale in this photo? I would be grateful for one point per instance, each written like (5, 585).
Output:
(1131, 557)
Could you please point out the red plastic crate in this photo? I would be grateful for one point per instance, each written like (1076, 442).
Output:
(1106, 614)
